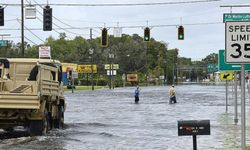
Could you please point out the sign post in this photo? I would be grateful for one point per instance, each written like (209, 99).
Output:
(238, 51)
(243, 111)
(193, 128)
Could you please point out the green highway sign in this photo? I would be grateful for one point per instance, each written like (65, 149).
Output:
(236, 17)
(212, 67)
(3, 43)
(223, 66)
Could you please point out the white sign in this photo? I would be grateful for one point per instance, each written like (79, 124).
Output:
(113, 72)
(30, 12)
(74, 74)
(117, 32)
(44, 52)
(237, 42)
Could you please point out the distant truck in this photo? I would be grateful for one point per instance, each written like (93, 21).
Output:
(31, 94)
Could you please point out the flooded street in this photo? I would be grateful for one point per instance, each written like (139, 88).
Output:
(109, 120)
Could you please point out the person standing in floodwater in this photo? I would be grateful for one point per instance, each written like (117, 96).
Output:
(172, 95)
(137, 94)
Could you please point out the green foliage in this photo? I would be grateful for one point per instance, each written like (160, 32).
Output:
(133, 55)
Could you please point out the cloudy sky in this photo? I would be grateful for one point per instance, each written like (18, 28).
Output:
(204, 30)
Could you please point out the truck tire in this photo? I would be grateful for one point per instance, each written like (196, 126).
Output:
(40, 127)
(9, 129)
(59, 122)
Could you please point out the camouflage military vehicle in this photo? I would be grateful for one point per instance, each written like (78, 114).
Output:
(31, 94)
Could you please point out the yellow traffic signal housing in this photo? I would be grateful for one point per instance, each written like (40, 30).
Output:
(104, 38)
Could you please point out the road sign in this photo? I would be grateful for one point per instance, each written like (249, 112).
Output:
(112, 72)
(237, 42)
(3, 43)
(115, 66)
(30, 12)
(226, 75)
(229, 67)
(236, 17)
(212, 67)
(74, 74)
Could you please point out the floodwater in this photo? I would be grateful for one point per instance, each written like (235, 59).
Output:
(109, 120)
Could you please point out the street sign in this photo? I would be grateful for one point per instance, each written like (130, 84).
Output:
(212, 67)
(226, 75)
(3, 43)
(223, 66)
(74, 74)
(236, 17)
(115, 66)
(112, 72)
(30, 12)
(237, 42)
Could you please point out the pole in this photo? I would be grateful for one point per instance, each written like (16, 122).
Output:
(92, 75)
(22, 28)
(226, 96)
(110, 80)
(235, 98)
(112, 73)
(194, 142)
(72, 85)
(243, 111)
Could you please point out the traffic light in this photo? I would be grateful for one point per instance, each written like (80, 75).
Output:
(47, 18)
(180, 33)
(104, 38)
(146, 34)
(1, 16)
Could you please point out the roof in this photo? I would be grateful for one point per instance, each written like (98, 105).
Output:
(31, 60)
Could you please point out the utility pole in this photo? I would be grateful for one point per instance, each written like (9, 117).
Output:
(22, 28)
(92, 55)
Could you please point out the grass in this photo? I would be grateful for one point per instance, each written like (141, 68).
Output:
(84, 88)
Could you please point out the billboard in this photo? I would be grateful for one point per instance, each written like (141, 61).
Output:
(86, 68)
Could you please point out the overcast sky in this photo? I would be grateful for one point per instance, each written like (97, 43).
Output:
(200, 40)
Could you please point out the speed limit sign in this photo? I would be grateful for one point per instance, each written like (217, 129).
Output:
(237, 42)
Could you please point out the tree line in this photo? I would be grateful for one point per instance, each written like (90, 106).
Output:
(152, 61)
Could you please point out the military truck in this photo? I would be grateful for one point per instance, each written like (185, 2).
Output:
(31, 94)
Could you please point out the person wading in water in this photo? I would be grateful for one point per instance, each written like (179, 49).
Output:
(137, 93)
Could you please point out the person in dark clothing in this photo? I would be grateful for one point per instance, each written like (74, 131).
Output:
(137, 93)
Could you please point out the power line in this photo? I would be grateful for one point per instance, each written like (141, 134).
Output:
(30, 40)
(136, 26)
(58, 25)
(31, 32)
(123, 4)
(53, 15)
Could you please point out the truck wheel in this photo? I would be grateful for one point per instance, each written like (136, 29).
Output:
(59, 122)
(9, 129)
(39, 127)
